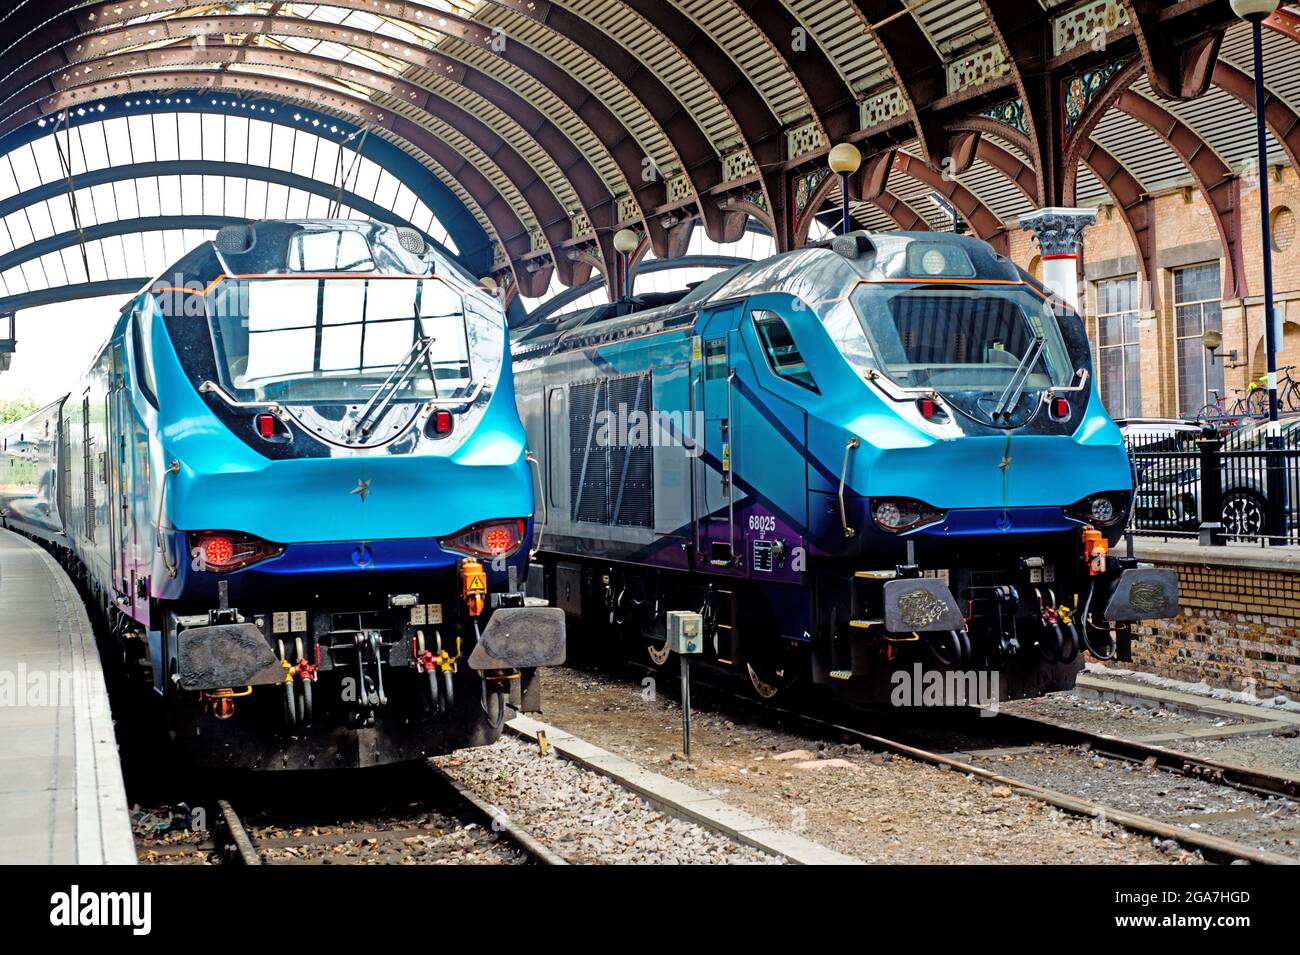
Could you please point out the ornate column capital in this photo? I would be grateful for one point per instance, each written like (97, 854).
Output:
(1059, 231)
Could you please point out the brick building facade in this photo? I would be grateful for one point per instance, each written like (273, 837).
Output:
(1154, 364)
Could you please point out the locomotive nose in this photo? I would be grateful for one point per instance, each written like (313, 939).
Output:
(993, 472)
(355, 498)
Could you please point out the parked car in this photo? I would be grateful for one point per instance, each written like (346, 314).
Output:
(1167, 476)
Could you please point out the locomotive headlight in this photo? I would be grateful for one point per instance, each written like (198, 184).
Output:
(488, 539)
(897, 514)
(933, 262)
(1103, 510)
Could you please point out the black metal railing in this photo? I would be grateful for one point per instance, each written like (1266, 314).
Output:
(1216, 486)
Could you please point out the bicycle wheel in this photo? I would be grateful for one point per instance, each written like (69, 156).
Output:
(1292, 396)
(1257, 401)
(1208, 413)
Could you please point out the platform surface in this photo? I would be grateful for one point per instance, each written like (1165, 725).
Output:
(62, 799)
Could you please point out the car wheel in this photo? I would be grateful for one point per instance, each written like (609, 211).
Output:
(1243, 514)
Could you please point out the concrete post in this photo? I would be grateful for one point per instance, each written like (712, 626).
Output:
(1060, 239)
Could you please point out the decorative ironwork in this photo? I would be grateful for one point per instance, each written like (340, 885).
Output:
(754, 197)
(1059, 231)
(976, 68)
(1081, 90)
(805, 187)
(628, 210)
(737, 165)
(1012, 112)
(1086, 24)
(883, 107)
(804, 139)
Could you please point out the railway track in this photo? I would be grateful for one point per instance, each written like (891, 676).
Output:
(513, 803)
(1028, 733)
(235, 845)
(1245, 778)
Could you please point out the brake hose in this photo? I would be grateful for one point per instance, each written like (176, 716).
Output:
(1083, 628)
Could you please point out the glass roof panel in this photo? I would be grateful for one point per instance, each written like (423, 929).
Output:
(25, 168)
(190, 130)
(39, 216)
(140, 132)
(166, 146)
(8, 184)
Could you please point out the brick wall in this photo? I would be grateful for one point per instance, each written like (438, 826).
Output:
(1240, 620)
(1185, 233)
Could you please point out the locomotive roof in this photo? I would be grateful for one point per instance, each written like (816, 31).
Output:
(263, 248)
(815, 273)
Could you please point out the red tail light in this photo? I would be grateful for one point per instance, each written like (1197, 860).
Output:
(266, 425)
(442, 421)
(926, 407)
(1060, 408)
(489, 539)
(222, 551)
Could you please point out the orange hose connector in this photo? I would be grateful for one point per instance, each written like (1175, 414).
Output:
(473, 585)
(1095, 550)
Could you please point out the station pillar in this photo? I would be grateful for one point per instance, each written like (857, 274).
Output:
(1059, 232)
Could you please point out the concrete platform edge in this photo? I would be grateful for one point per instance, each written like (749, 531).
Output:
(103, 816)
(680, 800)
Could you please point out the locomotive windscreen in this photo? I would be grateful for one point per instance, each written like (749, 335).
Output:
(338, 339)
(960, 338)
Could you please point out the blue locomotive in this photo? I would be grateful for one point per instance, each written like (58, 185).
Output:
(881, 453)
(294, 482)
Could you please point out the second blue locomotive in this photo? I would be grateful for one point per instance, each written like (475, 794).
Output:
(854, 459)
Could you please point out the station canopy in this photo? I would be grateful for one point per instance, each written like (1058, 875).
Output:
(521, 135)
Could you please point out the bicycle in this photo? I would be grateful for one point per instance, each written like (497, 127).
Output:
(1244, 406)
(1288, 391)
(1255, 402)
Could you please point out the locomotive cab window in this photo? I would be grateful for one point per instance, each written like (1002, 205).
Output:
(339, 340)
(956, 338)
(783, 355)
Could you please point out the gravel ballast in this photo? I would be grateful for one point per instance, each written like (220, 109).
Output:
(586, 817)
(874, 806)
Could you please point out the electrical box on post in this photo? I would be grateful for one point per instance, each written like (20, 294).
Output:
(685, 632)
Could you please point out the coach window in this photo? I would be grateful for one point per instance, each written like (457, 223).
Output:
(779, 346)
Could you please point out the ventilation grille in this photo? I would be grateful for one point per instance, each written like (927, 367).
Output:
(236, 239)
(411, 241)
(611, 452)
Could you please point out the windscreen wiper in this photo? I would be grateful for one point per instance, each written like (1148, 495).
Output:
(385, 393)
(1016, 386)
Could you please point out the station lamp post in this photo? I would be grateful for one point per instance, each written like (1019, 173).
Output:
(844, 160)
(1256, 12)
(625, 243)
